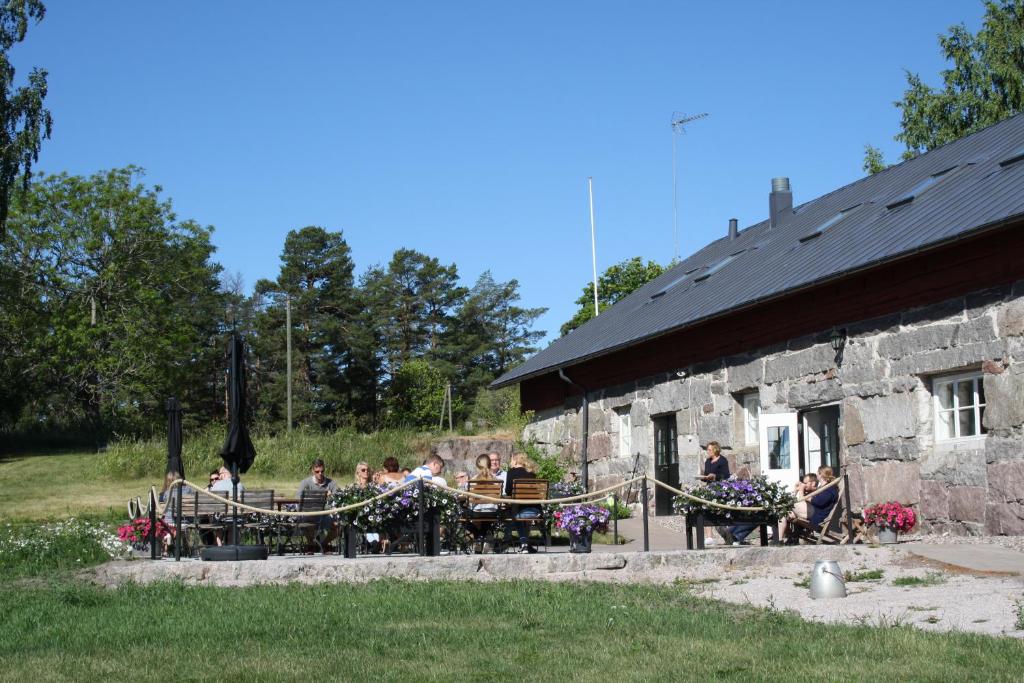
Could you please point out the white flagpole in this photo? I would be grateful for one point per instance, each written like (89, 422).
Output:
(593, 241)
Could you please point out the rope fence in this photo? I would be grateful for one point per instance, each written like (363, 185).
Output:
(568, 500)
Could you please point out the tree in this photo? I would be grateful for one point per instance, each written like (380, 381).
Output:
(615, 284)
(874, 160)
(24, 121)
(489, 335)
(984, 85)
(417, 396)
(119, 299)
(317, 275)
(416, 296)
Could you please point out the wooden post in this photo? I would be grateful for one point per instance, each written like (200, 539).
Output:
(152, 525)
(420, 547)
(849, 513)
(644, 495)
(177, 525)
(615, 518)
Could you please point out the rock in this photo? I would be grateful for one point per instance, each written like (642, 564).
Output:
(978, 303)
(893, 481)
(991, 367)
(1010, 319)
(599, 447)
(745, 376)
(799, 364)
(916, 341)
(980, 329)
(999, 448)
(1006, 482)
(1004, 518)
(860, 365)
(1004, 400)
(853, 426)
(888, 416)
(967, 503)
(956, 467)
(715, 428)
(873, 326)
(945, 359)
(935, 312)
(934, 500)
(886, 449)
(805, 394)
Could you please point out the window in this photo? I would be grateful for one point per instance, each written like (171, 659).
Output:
(751, 411)
(919, 188)
(959, 406)
(625, 432)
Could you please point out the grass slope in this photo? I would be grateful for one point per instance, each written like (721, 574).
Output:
(448, 631)
(61, 485)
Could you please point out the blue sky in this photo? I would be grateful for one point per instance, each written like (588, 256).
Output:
(468, 130)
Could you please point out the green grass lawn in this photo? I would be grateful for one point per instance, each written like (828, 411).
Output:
(453, 631)
(60, 485)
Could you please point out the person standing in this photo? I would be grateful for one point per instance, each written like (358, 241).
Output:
(716, 467)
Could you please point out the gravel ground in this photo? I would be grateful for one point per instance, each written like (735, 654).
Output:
(946, 602)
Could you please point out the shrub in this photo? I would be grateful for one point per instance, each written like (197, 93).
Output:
(285, 455)
(777, 499)
(31, 550)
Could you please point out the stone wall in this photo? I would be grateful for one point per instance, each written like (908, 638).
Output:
(883, 389)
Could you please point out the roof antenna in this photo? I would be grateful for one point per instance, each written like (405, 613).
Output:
(679, 123)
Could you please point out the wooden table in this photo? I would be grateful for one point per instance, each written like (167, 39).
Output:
(697, 523)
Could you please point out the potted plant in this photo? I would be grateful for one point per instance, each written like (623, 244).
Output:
(890, 519)
(137, 531)
(581, 521)
(776, 499)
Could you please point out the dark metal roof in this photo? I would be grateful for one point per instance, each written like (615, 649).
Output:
(981, 184)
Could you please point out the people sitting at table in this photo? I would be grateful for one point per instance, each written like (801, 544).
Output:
(800, 488)
(362, 474)
(225, 485)
(520, 467)
(430, 470)
(391, 476)
(462, 480)
(214, 478)
(495, 463)
(319, 481)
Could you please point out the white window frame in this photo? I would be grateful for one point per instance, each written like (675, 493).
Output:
(625, 431)
(751, 403)
(979, 408)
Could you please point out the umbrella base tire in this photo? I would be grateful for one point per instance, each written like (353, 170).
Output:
(234, 553)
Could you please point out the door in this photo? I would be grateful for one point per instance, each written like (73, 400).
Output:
(820, 439)
(779, 445)
(666, 462)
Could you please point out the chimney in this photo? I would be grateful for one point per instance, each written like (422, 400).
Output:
(733, 229)
(780, 201)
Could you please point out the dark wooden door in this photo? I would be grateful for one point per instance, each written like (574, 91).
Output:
(666, 462)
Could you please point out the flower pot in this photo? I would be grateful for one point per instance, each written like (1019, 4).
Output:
(887, 535)
(580, 543)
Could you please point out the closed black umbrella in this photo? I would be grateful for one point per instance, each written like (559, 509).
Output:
(174, 462)
(238, 453)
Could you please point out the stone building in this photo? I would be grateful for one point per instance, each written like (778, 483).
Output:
(878, 329)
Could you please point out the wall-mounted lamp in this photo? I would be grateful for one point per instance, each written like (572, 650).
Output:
(838, 341)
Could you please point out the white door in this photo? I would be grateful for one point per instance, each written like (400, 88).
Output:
(779, 461)
(813, 428)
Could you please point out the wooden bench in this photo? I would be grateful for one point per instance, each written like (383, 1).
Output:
(531, 489)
